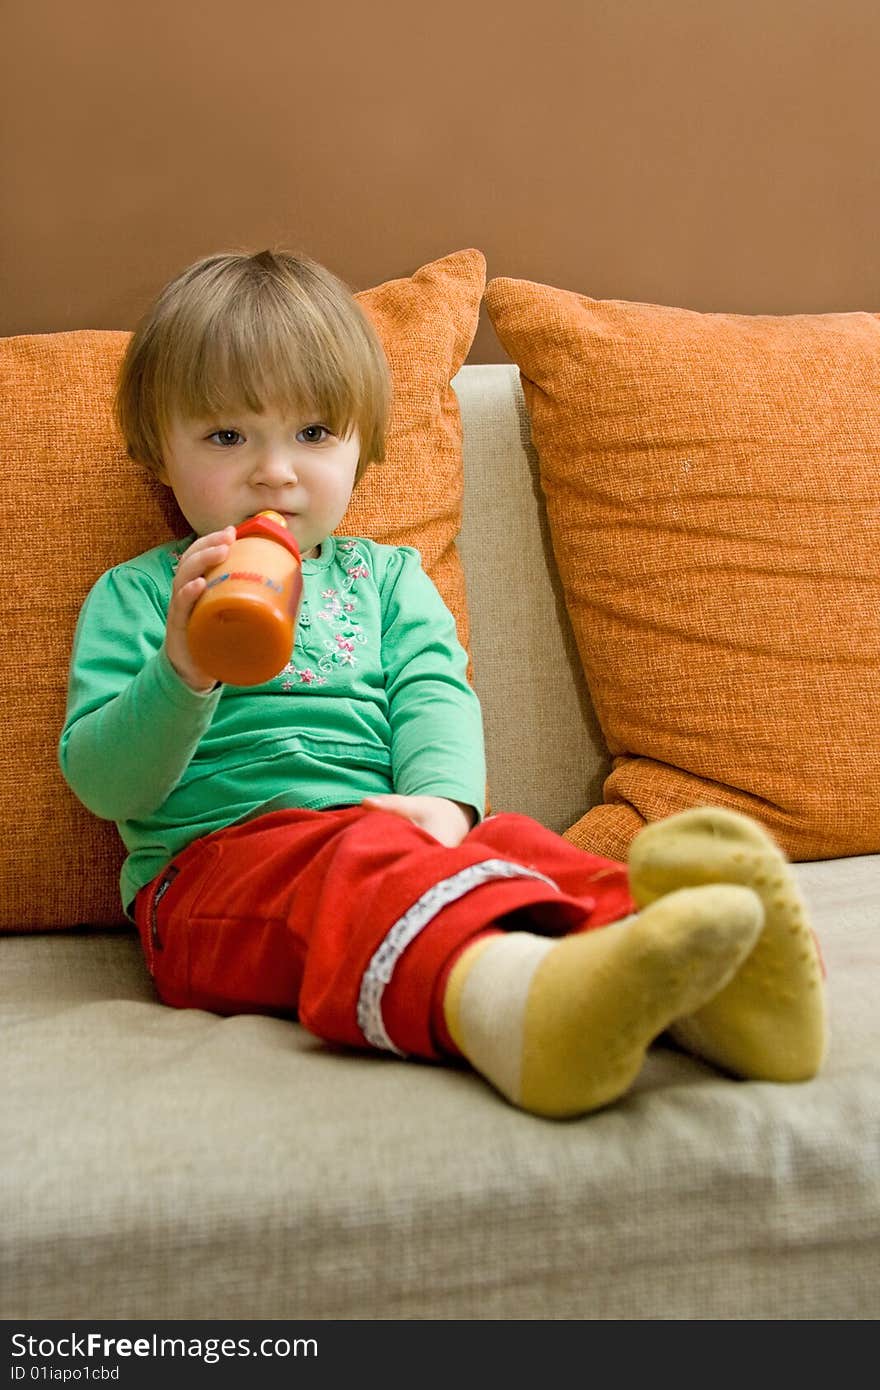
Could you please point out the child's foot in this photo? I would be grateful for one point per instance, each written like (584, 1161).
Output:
(560, 1027)
(769, 1023)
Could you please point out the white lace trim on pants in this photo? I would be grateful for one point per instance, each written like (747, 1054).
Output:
(381, 967)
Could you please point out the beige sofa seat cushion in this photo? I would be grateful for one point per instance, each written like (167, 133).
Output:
(184, 1165)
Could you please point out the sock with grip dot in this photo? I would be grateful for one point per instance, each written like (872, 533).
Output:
(561, 1027)
(769, 1023)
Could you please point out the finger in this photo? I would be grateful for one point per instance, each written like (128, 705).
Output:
(202, 556)
(184, 600)
(215, 540)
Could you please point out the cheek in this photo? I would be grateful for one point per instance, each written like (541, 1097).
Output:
(334, 490)
(204, 502)
(207, 491)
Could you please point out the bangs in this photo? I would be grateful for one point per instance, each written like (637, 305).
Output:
(255, 362)
(269, 332)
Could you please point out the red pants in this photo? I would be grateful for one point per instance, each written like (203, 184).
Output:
(349, 918)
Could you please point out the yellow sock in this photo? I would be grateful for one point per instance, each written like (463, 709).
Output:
(769, 1023)
(560, 1027)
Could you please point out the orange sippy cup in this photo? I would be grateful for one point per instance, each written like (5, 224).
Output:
(241, 628)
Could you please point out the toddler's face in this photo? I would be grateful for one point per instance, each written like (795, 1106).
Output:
(222, 471)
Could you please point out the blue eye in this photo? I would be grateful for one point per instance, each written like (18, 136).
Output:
(226, 438)
(315, 434)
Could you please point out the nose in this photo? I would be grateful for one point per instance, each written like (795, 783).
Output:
(274, 467)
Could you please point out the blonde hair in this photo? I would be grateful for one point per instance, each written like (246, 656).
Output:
(246, 332)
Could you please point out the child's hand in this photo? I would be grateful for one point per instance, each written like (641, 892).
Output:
(447, 821)
(189, 585)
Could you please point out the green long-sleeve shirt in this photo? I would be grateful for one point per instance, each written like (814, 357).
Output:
(374, 699)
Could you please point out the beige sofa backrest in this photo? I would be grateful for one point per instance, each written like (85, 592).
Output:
(546, 754)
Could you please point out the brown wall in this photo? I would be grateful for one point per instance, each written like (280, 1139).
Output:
(716, 154)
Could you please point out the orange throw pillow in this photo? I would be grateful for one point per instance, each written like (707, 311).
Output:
(74, 505)
(712, 485)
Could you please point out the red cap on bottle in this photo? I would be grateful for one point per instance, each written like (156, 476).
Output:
(263, 525)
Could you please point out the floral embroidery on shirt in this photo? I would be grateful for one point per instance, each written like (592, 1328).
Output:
(306, 676)
(339, 612)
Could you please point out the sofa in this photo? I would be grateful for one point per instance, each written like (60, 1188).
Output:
(162, 1164)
